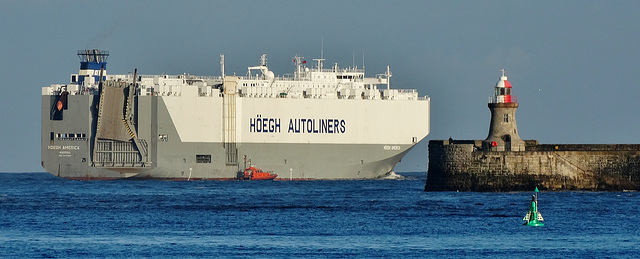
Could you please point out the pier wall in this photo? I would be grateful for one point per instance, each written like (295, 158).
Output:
(462, 165)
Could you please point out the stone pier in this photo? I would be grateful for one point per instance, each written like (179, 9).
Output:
(463, 165)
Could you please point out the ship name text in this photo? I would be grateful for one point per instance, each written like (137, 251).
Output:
(63, 147)
(297, 126)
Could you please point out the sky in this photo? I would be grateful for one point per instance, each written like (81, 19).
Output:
(574, 65)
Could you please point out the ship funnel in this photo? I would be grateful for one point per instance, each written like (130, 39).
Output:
(91, 62)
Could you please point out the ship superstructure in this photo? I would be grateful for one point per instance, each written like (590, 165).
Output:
(319, 123)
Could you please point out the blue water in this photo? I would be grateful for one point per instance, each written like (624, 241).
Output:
(44, 216)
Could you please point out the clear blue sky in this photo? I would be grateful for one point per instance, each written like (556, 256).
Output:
(574, 65)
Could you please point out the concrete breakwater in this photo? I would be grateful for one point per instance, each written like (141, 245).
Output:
(463, 165)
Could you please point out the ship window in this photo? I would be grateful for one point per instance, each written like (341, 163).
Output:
(163, 137)
(203, 158)
(52, 135)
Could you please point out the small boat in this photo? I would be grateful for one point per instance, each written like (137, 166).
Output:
(253, 174)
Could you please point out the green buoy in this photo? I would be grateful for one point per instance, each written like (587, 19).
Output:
(534, 217)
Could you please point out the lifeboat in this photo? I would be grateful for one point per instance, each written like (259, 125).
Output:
(253, 174)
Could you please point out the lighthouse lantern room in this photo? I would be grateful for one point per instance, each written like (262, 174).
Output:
(502, 93)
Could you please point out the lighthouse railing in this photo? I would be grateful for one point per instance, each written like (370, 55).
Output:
(500, 99)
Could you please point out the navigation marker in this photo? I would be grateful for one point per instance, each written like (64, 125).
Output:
(534, 217)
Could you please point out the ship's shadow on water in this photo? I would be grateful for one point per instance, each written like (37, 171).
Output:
(45, 216)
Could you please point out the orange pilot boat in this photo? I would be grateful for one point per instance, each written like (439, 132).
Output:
(253, 173)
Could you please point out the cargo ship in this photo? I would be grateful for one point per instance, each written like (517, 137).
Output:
(317, 123)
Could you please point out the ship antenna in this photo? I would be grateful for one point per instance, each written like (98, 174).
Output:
(298, 60)
(222, 64)
(388, 74)
(362, 59)
(322, 47)
(353, 58)
(263, 60)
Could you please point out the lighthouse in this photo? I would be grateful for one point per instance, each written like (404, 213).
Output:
(503, 131)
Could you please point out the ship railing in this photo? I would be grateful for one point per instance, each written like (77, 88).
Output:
(340, 70)
(286, 77)
(402, 95)
(351, 70)
(408, 91)
(72, 89)
(305, 78)
(204, 77)
(257, 77)
(414, 93)
(187, 76)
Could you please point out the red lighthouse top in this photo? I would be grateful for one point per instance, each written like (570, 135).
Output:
(502, 93)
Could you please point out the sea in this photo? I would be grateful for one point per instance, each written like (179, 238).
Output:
(42, 216)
